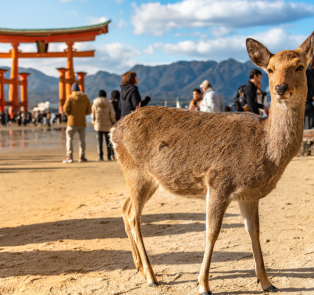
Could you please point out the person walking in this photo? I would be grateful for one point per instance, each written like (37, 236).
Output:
(130, 97)
(115, 100)
(211, 102)
(103, 117)
(76, 107)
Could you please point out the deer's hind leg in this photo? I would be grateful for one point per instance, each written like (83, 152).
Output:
(141, 187)
(126, 208)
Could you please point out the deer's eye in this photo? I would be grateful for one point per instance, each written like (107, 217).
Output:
(300, 68)
(270, 71)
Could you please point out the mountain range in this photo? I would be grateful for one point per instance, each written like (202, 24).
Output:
(161, 83)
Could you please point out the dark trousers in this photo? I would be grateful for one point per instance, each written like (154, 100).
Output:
(100, 135)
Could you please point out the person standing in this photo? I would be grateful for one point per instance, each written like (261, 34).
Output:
(76, 107)
(2, 119)
(211, 102)
(196, 101)
(103, 117)
(115, 100)
(250, 90)
(130, 97)
(309, 108)
(48, 118)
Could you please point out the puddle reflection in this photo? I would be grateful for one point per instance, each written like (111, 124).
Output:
(49, 138)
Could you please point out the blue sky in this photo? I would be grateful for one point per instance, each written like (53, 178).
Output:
(159, 32)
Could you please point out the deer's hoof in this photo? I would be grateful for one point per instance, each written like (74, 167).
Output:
(207, 293)
(271, 289)
(153, 285)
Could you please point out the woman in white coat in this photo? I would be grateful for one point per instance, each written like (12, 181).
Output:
(103, 117)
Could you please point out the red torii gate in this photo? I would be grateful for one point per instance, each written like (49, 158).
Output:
(42, 38)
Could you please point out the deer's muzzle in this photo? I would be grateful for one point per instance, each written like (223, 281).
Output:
(281, 89)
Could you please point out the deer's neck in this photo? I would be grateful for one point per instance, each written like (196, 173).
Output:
(284, 128)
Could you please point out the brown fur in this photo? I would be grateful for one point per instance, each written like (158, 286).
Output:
(228, 156)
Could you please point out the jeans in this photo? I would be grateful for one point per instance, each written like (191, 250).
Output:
(69, 135)
(100, 135)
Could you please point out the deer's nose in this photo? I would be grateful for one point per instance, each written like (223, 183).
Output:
(281, 89)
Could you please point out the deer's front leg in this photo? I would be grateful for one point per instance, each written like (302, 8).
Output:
(216, 207)
(249, 211)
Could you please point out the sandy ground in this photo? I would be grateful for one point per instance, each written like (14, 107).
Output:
(61, 232)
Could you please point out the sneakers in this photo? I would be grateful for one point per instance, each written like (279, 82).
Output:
(68, 160)
(100, 159)
(82, 159)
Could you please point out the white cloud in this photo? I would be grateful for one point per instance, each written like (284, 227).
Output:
(149, 49)
(117, 55)
(223, 48)
(122, 23)
(156, 19)
(194, 34)
(97, 20)
(221, 31)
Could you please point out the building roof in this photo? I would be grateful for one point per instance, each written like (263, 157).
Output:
(77, 34)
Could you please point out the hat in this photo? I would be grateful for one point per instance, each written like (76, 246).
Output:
(75, 87)
(205, 84)
(115, 94)
(102, 93)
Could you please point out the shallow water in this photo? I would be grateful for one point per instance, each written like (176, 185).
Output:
(47, 138)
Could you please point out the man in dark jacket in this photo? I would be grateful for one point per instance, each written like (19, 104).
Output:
(309, 108)
(250, 90)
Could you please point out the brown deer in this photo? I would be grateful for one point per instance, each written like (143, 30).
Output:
(225, 157)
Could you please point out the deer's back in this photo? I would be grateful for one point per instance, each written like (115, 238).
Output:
(182, 149)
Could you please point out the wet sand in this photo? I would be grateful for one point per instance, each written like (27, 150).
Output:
(61, 230)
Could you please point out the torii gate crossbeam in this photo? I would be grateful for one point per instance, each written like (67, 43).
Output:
(42, 38)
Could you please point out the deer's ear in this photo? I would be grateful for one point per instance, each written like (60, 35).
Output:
(258, 53)
(307, 47)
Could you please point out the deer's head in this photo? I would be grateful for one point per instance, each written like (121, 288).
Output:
(286, 69)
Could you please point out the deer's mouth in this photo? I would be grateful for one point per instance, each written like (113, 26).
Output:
(283, 96)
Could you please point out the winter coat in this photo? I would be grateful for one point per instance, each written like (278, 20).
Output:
(309, 108)
(76, 107)
(116, 107)
(129, 99)
(250, 93)
(211, 102)
(103, 114)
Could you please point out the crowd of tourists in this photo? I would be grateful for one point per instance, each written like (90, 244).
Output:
(104, 112)
(35, 118)
(249, 97)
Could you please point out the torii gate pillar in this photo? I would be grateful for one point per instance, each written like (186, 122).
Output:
(81, 80)
(70, 78)
(24, 95)
(14, 83)
(62, 97)
(2, 101)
